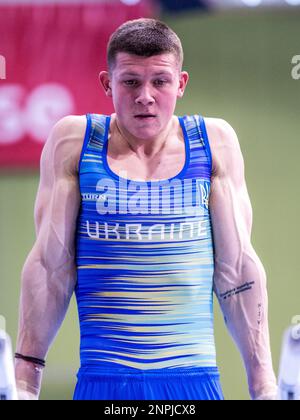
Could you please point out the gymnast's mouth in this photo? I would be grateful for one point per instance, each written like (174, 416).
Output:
(145, 116)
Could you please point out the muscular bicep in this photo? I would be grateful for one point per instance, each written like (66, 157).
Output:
(58, 212)
(230, 206)
(57, 201)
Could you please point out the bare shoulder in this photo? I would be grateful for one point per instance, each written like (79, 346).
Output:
(224, 145)
(64, 144)
(58, 171)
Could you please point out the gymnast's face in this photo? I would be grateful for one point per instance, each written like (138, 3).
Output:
(144, 91)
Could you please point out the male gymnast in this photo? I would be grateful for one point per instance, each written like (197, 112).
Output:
(143, 215)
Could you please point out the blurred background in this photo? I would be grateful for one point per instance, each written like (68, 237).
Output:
(244, 62)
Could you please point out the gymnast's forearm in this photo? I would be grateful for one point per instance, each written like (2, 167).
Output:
(45, 297)
(243, 299)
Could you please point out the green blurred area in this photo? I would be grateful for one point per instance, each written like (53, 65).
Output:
(240, 69)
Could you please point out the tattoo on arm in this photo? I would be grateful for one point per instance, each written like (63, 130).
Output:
(233, 292)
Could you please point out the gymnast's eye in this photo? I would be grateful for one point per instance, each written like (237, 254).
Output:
(160, 82)
(130, 82)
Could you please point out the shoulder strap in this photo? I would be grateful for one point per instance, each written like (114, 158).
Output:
(200, 153)
(204, 136)
(95, 133)
(99, 126)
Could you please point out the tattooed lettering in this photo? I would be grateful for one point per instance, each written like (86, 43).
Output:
(259, 314)
(233, 292)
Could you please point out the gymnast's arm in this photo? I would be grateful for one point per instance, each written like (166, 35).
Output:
(49, 276)
(239, 276)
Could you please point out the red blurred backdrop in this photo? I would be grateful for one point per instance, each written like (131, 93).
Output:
(53, 55)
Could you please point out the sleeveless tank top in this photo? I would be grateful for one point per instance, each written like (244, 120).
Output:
(144, 258)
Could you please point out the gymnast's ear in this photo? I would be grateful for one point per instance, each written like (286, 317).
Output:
(105, 82)
(183, 81)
